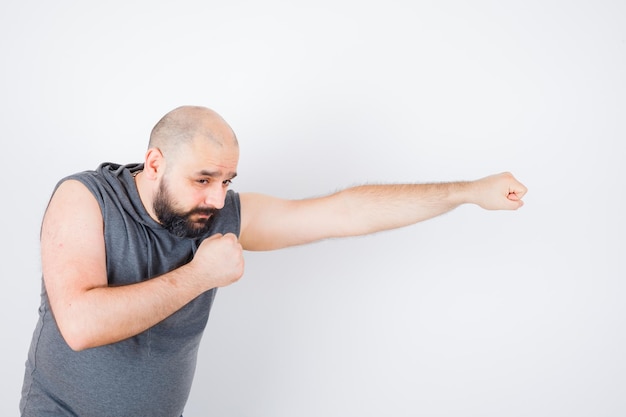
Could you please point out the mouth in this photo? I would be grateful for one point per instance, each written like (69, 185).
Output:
(200, 216)
(203, 217)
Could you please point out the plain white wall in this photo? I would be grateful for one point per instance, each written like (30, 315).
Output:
(474, 313)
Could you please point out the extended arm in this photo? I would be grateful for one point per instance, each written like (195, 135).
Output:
(90, 313)
(271, 223)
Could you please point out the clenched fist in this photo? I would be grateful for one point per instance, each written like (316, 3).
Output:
(499, 192)
(218, 261)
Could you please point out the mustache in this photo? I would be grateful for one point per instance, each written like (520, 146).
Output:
(203, 210)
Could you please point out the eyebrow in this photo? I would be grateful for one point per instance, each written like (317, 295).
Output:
(213, 174)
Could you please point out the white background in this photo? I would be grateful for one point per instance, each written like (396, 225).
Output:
(474, 313)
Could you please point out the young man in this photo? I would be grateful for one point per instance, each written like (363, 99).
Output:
(132, 256)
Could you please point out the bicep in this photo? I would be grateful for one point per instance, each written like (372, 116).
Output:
(269, 223)
(72, 245)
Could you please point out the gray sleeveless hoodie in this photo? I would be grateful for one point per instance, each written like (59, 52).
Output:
(146, 375)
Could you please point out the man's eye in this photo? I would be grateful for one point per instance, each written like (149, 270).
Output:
(227, 182)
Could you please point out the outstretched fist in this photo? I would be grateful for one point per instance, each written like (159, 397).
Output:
(500, 192)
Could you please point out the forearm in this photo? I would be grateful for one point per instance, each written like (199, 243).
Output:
(104, 315)
(372, 208)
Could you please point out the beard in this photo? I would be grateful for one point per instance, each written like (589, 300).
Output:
(192, 224)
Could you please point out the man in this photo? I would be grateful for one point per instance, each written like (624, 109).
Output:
(132, 256)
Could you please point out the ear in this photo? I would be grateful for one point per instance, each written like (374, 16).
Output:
(154, 165)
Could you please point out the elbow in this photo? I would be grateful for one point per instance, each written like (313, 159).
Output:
(77, 344)
(76, 338)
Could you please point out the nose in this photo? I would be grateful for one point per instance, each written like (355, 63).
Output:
(215, 196)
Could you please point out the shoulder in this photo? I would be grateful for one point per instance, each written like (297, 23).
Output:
(71, 197)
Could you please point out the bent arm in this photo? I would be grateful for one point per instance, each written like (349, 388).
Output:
(271, 223)
(88, 312)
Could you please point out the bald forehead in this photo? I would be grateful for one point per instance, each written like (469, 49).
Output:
(187, 124)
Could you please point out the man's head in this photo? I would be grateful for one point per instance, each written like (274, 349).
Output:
(191, 159)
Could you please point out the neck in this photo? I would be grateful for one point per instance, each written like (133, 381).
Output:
(144, 188)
